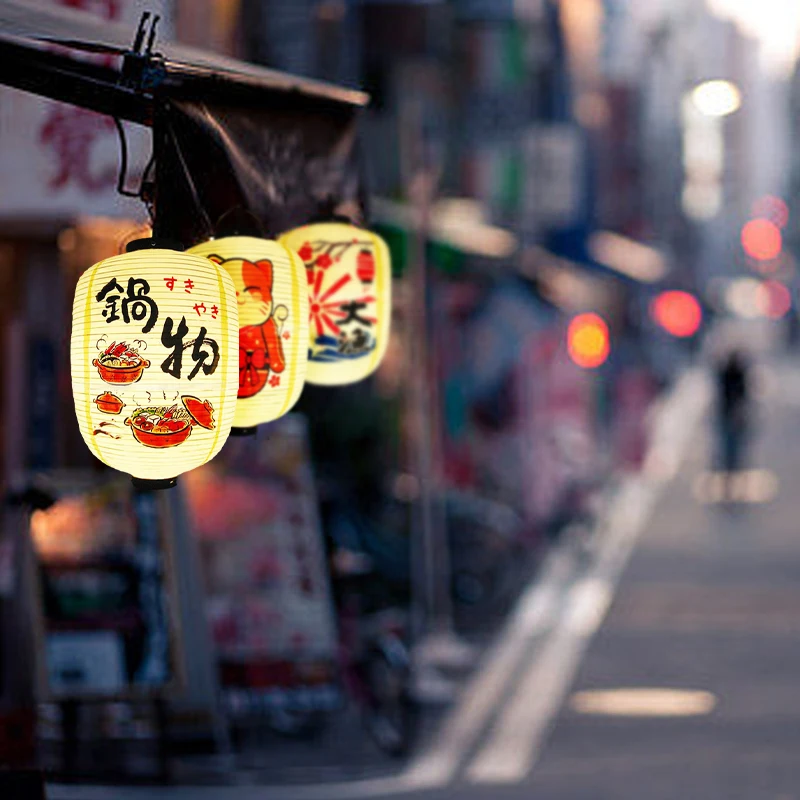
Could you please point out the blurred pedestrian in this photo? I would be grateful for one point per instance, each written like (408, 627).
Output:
(733, 413)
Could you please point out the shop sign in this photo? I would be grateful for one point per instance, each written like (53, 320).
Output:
(60, 158)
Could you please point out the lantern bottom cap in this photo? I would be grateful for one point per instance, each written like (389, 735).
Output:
(249, 431)
(150, 485)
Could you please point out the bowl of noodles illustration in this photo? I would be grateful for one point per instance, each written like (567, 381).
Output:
(120, 364)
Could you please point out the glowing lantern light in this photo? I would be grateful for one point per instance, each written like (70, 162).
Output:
(154, 371)
(773, 299)
(349, 281)
(272, 296)
(588, 340)
(677, 313)
(761, 239)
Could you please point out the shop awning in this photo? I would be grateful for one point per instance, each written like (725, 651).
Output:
(565, 283)
(42, 47)
(227, 134)
(456, 222)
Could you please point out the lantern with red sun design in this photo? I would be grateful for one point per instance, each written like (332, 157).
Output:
(349, 282)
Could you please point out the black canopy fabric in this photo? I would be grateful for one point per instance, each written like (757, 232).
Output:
(226, 134)
(189, 71)
(284, 166)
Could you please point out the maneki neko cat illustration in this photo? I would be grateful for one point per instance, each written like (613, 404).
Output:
(260, 323)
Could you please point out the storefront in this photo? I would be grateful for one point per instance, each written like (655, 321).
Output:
(126, 579)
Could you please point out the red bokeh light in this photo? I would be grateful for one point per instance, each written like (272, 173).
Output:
(774, 299)
(772, 208)
(678, 313)
(588, 340)
(761, 239)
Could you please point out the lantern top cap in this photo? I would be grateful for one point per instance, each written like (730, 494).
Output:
(238, 221)
(327, 213)
(153, 243)
(321, 218)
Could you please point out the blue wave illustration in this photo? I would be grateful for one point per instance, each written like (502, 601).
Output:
(330, 352)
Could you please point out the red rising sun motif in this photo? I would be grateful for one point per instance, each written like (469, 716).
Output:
(325, 302)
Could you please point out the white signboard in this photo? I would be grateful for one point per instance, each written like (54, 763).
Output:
(59, 161)
(91, 661)
(554, 164)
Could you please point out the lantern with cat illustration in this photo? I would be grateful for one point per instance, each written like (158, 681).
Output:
(272, 300)
(349, 282)
(154, 333)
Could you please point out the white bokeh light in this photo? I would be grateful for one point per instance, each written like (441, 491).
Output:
(776, 23)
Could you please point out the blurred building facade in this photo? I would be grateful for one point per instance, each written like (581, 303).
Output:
(505, 104)
(553, 137)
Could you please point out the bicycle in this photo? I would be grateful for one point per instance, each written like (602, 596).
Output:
(373, 658)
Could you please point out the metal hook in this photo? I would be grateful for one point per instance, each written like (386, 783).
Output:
(152, 38)
(140, 32)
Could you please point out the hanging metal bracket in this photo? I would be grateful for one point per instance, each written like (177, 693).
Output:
(142, 69)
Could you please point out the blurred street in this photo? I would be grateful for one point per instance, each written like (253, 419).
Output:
(705, 608)
(399, 399)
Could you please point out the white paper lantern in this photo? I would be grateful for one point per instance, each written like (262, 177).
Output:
(154, 367)
(350, 307)
(272, 297)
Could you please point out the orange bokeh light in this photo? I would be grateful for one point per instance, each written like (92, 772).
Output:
(761, 239)
(678, 313)
(588, 340)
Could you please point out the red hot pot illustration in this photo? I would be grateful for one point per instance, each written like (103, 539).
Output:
(120, 364)
(169, 426)
(109, 403)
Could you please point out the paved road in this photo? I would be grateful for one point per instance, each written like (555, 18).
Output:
(708, 602)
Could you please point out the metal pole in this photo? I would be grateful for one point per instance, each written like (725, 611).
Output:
(422, 550)
(436, 642)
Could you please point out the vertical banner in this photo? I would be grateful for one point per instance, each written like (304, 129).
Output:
(253, 511)
(155, 667)
(42, 435)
